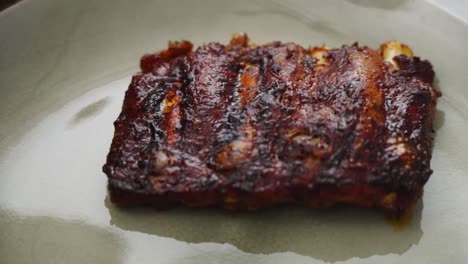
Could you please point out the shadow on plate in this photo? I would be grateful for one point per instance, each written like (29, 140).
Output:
(333, 234)
(89, 111)
(439, 119)
(42, 239)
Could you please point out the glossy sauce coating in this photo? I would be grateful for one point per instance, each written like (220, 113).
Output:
(243, 127)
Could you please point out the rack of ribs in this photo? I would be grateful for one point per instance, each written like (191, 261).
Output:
(246, 126)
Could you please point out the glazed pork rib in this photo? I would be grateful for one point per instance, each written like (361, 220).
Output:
(247, 126)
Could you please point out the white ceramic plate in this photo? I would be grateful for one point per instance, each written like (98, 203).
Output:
(64, 68)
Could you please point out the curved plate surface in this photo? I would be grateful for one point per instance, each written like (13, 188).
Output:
(64, 68)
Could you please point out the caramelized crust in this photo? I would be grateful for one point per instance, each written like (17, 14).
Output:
(244, 127)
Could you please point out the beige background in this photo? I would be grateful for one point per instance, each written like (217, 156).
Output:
(64, 67)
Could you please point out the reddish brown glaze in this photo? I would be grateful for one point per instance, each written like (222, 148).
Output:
(245, 127)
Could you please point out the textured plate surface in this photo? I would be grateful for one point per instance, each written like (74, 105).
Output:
(64, 68)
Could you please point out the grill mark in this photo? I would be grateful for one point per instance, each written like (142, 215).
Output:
(233, 145)
(408, 139)
(132, 147)
(207, 97)
(370, 132)
(164, 100)
(265, 112)
(336, 87)
(293, 143)
(295, 79)
(360, 70)
(171, 112)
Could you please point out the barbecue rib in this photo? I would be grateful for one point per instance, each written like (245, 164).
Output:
(245, 126)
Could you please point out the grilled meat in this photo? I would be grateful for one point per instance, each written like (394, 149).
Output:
(246, 126)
